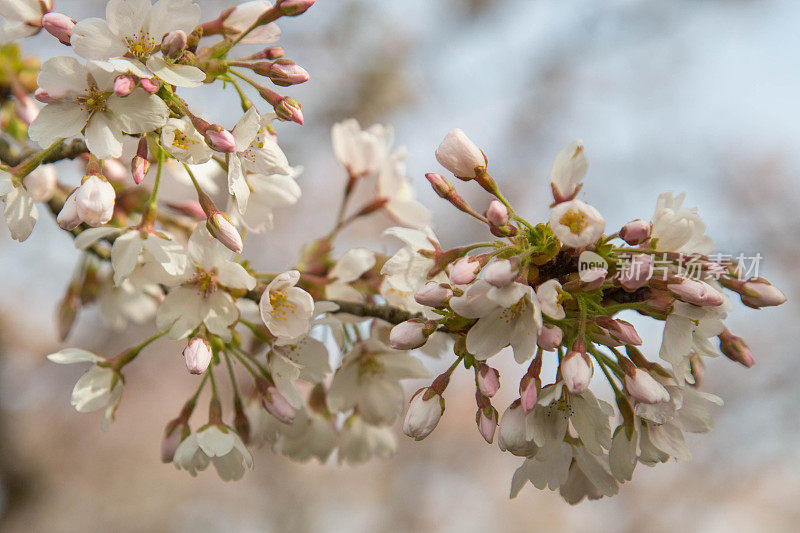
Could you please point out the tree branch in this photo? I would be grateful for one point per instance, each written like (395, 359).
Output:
(392, 315)
(68, 150)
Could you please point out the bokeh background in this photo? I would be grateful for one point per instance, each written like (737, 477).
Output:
(697, 96)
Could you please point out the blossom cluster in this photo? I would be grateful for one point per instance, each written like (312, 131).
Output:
(316, 354)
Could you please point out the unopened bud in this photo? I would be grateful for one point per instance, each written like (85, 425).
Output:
(550, 337)
(458, 154)
(636, 273)
(576, 371)
(174, 43)
(150, 85)
(292, 8)
(277, 405)
(289, 109)
(735, 349)
(620, 330)
(500, 273)
(424, 412)
(433, 294)
(497, 213)
(635, 232)
(124, 85)
(486, 419)
(761, 293)
(283, 72)
(411, 334)
(197, 355)
(696, 292)
(222, 229)
(528, 392)
(220, 139)
(464, 271)
(643, 388)
(59, 26)
(487, 379)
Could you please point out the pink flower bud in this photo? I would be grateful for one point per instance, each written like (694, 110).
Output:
(576, 371)
(486, 419)
(189, 208)
(43, 96)
(735, 349)
(124, 85)
(139, 168)
(636, 273)
(292, 8)
(290, 110)
(550, 338)
(173, 44)
(497, 213)
(283, 72)
(592, 278)
(68, 218)
(220, 139)
(620, 330)
(528, 392)
(424, 412)
(222, 229)
(276, 405)
(696, 292)
(761, 293)
(150, 85)
(464, 271)
(59, 26)
(440, 185)
(94, 201)
(197, 355)
(410, 334)
(500, 273)
(643, 388)
(512, 435)
(433, 294)
(635, 232)
(26, 109)
(459, 155)
(488, 380)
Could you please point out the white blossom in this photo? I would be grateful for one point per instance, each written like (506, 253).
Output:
(362, 152)
(369, 380)
(407, 270)
(458, 154)
(83, 101)
(267, 193)
(215, 444)
(396, 189)
(549, 295)
(688, 328)
(255, 152)
(576, 223)
(678, 229)
(286, 309)
(568, 171)
(359, 441)
(17, 13)
(242, 17)
(19, 210)
(183, 142)
(92, 203)
(351, 266)
(131, 36)
(200, 297)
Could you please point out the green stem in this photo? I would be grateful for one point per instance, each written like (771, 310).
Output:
(233, 377)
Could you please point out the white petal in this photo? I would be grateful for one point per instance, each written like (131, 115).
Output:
(104, 136)
(234, 275)
(139, 112)
(246, 129)
(125, 255)
(352, 265)
(58, 120)
(67, 356)
(62, 75)
(237, 184)
(125, 17)
(168, 15)
(93, 39)
(20, 213)
(90, 236)
(175, 74)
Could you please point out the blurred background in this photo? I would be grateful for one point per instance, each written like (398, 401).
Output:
(697, 96)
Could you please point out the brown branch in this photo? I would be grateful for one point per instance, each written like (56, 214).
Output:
(68, 150)
(392, 315)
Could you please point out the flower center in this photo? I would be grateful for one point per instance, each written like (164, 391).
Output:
(575, 220)
(205, 281)
(93, 99)
(182, 141)
(510, 314)
(141, 45)
(282, 308)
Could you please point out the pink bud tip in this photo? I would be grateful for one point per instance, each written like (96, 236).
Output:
(497, 213)
(292, 8)
(59, 26)
(149, 85)
(124, 85)
(220, 139)
(635, 232)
